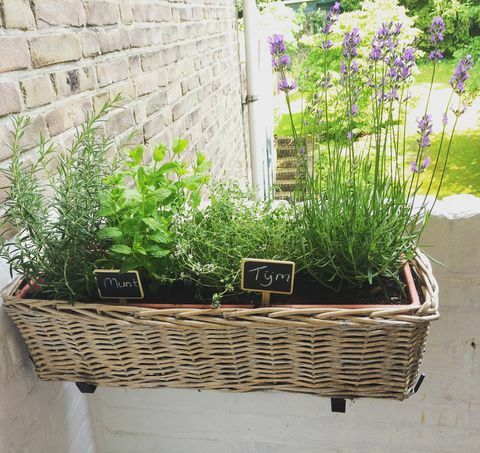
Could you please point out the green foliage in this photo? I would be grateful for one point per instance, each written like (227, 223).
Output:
(368, 20)
(236, 225)
(53, 207)
(140, 205)
(462, 18)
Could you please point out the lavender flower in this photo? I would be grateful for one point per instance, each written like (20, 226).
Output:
(376, 52)
(423, 166)
(354, 110)
(445, 119)
(277, 45)
(436, 30)
(461, 74)
(286, 86)
(408, 55)
(435, 55)
(425, 129)
(350, 43)
(330, 19)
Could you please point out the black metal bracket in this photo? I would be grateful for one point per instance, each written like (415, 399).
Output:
(419, 383)
(84, 387)
(250, 98)
(338, 405)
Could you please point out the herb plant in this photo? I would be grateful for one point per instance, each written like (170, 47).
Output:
(360, 220)
(140, 205)
(235, 225)
(52, 206)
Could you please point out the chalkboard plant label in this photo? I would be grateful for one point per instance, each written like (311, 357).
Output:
(113, 284)
(268, 276)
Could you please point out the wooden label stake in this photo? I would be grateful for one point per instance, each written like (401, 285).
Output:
(265, 299)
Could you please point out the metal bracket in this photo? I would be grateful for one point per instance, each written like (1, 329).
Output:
(419, 383)
(84, 387)
(338, 405)
(250, 98)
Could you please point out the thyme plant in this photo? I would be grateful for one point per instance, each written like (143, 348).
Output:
(236, 224)
(52, 208)
(360, 220)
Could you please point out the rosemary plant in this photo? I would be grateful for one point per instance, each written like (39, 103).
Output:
(360, 218)
(52, 208)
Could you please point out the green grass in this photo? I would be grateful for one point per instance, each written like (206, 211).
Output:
(443, 72)
(284, 127)
(463, 170)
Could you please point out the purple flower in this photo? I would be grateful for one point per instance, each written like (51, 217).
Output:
(277, 45)
(409, 55)
(286, 86)
(350, 43)
(376, 52)
(461, 74)
(398, 28)
(423, 166)
(435, 55)
(354, 110)
(445, 119)
(436, 30)
(327, 44)
(424, 129)
(331, 18)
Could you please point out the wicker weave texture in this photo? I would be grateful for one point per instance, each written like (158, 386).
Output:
(327, 351)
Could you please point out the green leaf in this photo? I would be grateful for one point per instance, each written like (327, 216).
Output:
(122, 249)
(159, 152)
(179, 145)
(136, 154)
(158, 252)
(151, 223)
(110, 232)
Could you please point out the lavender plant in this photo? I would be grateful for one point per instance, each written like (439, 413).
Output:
(357, 203)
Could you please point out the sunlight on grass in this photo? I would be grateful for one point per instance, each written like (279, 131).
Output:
(463, 170)
(443, 72)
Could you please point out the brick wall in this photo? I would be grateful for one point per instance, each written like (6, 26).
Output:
(175, 63)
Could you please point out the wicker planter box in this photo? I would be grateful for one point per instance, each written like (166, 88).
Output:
(335, 352)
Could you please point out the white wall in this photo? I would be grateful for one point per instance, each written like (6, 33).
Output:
(443, 417)
(36, 416)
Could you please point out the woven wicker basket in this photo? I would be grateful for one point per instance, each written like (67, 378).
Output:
(367, 352)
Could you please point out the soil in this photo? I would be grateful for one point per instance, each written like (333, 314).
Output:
(306, 292)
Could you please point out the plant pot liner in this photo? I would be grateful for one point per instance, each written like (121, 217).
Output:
(334, 352)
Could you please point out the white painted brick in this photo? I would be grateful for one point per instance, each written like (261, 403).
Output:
(68, 115)
(37, 91)
(65, 12)
(90, 46)
(10, 96)
(112, 40)
(101, 12)
(46, 50)
(14, 53)
(112, 71)
(18, 14)
(74, 80)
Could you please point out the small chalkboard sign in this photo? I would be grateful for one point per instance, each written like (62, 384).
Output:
(113, 284)
(268, 276)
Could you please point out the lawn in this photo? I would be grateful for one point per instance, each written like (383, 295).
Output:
(463, 170)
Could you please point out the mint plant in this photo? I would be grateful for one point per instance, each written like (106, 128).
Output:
(140, 205)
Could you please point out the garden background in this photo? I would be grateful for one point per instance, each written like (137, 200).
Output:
(300, 23)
